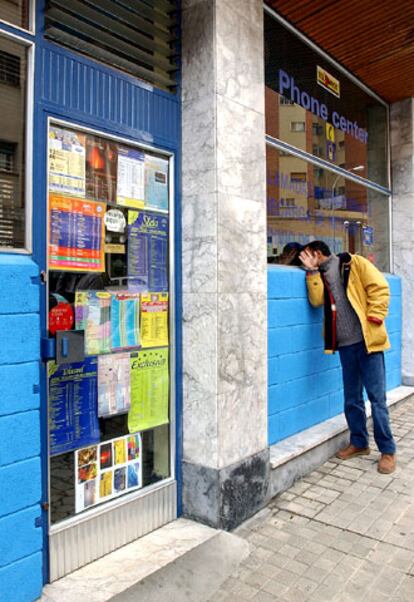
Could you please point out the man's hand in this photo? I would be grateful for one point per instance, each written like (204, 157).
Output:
(309, 261)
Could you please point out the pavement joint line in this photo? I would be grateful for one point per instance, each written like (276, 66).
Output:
(345, 530)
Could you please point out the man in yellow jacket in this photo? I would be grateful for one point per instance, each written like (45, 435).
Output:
(355, 296)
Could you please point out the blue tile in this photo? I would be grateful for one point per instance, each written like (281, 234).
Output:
(21, 581)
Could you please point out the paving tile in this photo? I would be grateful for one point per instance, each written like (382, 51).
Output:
(263, 596)
(344, 533)
(275, 587)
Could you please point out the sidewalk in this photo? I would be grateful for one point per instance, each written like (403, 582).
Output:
(344, 533)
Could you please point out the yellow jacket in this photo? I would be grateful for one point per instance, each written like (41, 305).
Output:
(369, 294)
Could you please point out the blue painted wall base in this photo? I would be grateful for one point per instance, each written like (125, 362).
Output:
(305, 384)
(20, 465)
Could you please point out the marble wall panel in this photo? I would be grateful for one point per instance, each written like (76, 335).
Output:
(200, 265)
(241, 168)
(199, 215)
(198, 51)
(242, 261)
(243, 419)
(402, 165)
(250, 10)
(239, 57)
(224, 234)
(199, 135)
(242, 343)
(200, 356)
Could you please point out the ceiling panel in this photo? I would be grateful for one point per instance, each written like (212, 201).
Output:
(373, 40)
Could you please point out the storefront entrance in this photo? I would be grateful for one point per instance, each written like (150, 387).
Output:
(110, 344)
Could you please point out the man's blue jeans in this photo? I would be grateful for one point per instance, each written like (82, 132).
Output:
(361, 369)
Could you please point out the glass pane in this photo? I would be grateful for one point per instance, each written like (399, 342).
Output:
(306, 203)
(313, 106)
(109, 390)
(15, 12)
(13, 66)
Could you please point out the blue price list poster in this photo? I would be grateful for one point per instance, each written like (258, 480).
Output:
(73, 413)
(148, 251)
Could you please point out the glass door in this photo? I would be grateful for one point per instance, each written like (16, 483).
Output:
(109, 315)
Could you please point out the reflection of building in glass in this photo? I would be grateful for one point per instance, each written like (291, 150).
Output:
(12, 106)
(305, 201)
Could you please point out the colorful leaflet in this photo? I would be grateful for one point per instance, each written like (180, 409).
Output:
(76, 234)
(154, 319)
(107, 470)
(113, 384)
(93, 315)
(149, 389)
(125, 320)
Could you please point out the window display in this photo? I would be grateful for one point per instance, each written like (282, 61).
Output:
(14, 63)
(323, 205)
(318, 119)
(108, 262)
(314, 106)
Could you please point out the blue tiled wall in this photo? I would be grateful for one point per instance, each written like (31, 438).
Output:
(20, 466)
(305, 385)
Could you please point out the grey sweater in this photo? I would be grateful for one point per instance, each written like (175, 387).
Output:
(348, 326)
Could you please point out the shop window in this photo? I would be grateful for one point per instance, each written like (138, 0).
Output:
(109, 285)
(297, 126)
(317, 129)
(298, 177)
(15, 12)
(9, 69)
(349, 125)
(317, 204)
(13, 62)
(286, 101)
(136, 36)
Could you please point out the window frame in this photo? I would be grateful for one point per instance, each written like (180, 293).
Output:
(27, 249)
(32, 20)
(111, 504)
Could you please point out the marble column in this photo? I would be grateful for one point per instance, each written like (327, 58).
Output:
(225, 466)
(402, 164)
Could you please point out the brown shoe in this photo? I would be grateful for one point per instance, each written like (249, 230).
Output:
(351, 451)
(387, 463)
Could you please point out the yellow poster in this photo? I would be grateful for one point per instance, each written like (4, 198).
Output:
(66, 161)
(149, 389)
(105, 484)
(154, 320)
(119, 451)
(328, 81)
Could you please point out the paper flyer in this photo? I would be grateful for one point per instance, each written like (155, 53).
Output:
(107, 470)
(76, 234)
(154, 319)
(73, 412)
(93, 315)
(66, 161)
(101, 164)
(113, 384)
(148, 251)
(125, 320)
(149, 389)
(131, 177)
(156, 183)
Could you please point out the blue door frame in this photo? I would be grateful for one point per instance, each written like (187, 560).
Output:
(75, 89)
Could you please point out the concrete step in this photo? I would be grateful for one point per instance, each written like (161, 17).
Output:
(182, 561)
(194, 577)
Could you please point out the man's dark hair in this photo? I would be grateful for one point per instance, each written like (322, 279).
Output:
(319, 245)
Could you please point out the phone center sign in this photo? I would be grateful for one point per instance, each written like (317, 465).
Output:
(289, 89)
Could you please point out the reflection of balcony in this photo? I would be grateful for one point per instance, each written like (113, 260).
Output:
(339, 202)
(342, 214)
